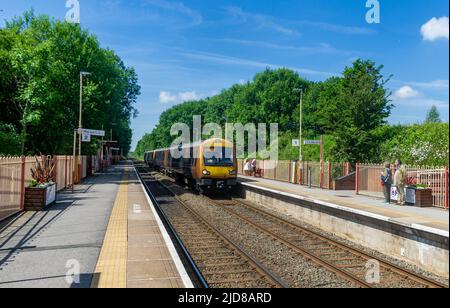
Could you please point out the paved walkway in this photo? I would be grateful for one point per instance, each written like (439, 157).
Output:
(107, 232)
(40, 248)
(434, 218)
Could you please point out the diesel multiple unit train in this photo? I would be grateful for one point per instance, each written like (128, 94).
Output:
(205, 165)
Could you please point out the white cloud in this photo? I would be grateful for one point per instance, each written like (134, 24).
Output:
(435, 28)
(406, 92)
(258, 21)
(222, 59)
(166, 97)
(188, 96)
(177, 7)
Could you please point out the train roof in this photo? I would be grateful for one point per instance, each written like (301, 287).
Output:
(198, 143)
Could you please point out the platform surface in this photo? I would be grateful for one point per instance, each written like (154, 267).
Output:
(107, 232)
(434, 220)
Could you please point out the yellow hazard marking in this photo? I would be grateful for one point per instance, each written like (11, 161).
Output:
(111, 269)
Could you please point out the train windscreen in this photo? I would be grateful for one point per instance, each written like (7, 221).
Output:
(219, 156)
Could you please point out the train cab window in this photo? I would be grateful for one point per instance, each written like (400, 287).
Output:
(219, 157)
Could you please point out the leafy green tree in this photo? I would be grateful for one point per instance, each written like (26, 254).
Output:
(44, 58)
(433, 116)
(426, 144)
(364, 106)
(9, 140)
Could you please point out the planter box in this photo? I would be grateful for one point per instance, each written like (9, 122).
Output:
(38, 199)
(415, 197)
(423, 197)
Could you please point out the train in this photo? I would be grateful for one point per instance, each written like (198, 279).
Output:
(210, 165)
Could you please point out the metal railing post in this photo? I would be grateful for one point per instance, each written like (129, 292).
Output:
(65, 171)
(329, 175)
(357, 179)
(446, 188)
(22, 183)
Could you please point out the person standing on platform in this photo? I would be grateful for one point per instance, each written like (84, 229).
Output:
(254, 167)
(247, 167)
(400, 181)
(386, 182)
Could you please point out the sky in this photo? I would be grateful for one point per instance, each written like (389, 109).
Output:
(191, 49)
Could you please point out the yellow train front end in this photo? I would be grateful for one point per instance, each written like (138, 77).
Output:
(217, 166)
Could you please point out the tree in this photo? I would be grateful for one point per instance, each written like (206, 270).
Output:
(364, 106)
(426, 144)
(42, 61)
(433, 116)
(9, 140)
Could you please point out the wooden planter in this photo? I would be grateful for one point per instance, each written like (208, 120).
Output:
(38, 199)
(420, 197)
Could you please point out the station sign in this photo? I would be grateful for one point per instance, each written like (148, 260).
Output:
(91, 132)
(313, 142)
(86, 137)
(295, 143)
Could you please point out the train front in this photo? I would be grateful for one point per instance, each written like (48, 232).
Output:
(219, 166)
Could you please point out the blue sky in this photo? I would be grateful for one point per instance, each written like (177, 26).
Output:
(195, 48)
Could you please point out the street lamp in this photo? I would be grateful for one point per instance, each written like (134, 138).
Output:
(300, 90)
(80, 125)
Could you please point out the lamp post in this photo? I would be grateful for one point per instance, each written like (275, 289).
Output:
(76, 162)
(80, 123)
(300, 90)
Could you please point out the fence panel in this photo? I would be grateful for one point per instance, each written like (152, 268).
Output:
(283, 170)
(434, 178)
(270, 170)
(369, 181)
(11, 177)
(10, 185)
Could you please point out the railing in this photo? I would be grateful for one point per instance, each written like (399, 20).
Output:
(435, 178)
(363, 178)
(15, 175)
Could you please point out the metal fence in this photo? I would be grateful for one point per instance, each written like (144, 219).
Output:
(366, 177)
(15, 175)
(434, 178)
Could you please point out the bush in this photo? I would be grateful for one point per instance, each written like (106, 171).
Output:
(426, 144)
(10, 141)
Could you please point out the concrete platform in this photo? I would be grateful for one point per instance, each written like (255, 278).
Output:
(106, 234)
(417, 235)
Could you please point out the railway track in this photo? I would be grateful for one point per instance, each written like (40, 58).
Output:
(345, 261)
(223, 264)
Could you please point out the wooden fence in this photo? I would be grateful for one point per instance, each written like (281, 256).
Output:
(435, 178)
(15, 175)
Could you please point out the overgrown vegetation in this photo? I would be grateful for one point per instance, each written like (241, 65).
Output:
(40, 63)
(350, 111)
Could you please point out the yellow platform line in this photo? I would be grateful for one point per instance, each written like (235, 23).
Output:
(111, 269)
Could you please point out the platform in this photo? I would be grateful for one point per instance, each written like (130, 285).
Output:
(106, 234)
(433, 220)
(419, 236)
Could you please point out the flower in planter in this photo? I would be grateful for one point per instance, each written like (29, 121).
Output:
(42, 173)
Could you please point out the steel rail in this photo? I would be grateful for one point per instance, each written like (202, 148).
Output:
(327, 265)
(260, 268)
(386, 264)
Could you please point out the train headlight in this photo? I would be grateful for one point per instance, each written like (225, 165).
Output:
(233, 172)
(206, 172)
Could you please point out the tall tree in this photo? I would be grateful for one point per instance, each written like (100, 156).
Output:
(433, 116)
(364, 106)
(44, 60)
